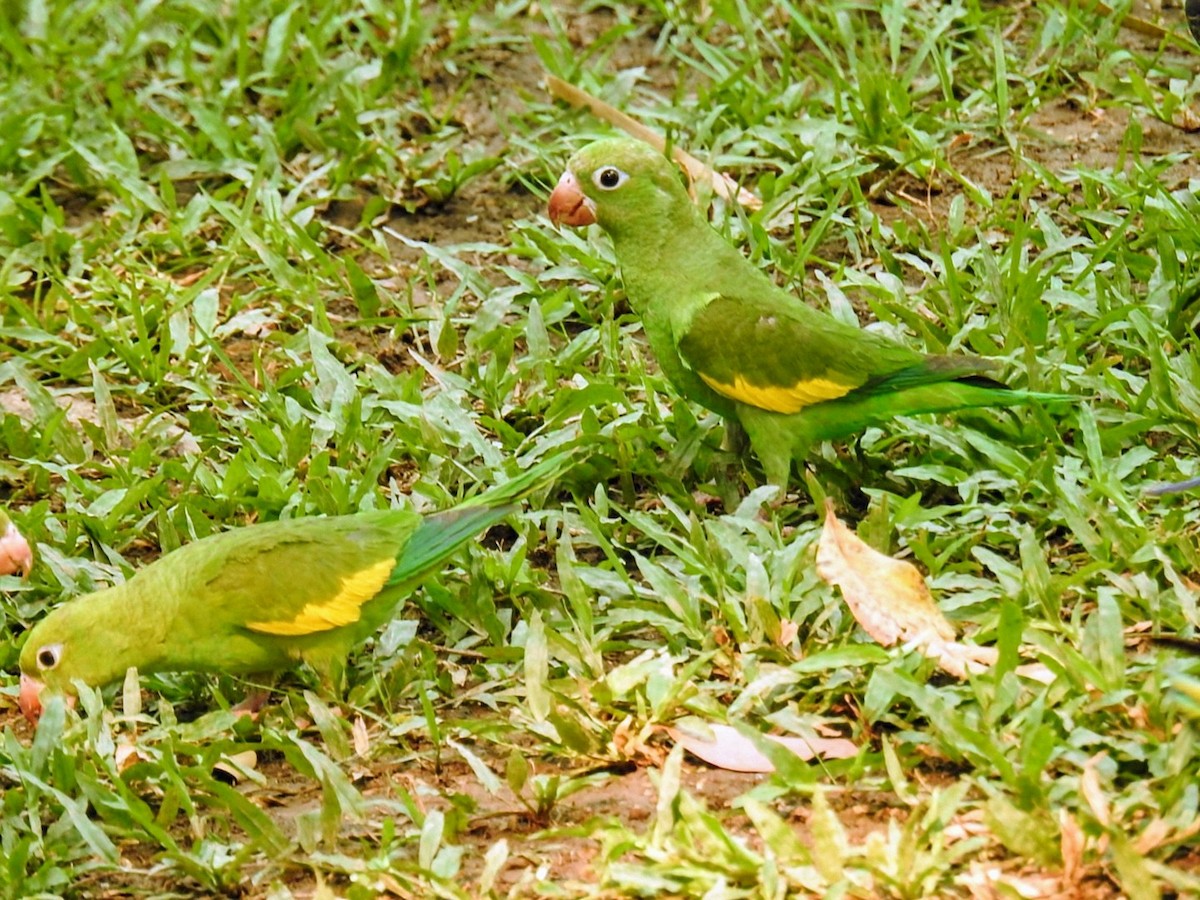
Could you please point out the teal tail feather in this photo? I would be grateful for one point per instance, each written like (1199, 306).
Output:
(440, 534)
(859, 409)
(531, 479)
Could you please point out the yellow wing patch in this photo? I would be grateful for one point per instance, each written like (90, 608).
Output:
(778, 398)
(343, 608)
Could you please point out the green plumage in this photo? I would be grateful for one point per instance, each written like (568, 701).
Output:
(263, 597)
(731, 340)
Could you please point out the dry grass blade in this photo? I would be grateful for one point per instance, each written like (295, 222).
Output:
(723, 185)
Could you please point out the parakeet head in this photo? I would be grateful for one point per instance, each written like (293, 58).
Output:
(622, 184)
(69, 644)
(15, 554)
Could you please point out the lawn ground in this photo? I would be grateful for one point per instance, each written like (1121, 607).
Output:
(269, 259)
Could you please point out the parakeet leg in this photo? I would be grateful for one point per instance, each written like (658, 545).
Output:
(736, 440)
(772, 445)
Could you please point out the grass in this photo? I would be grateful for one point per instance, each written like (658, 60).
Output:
(273, 259)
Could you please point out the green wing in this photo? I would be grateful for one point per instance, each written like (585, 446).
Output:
(779, 355)
(295, 577)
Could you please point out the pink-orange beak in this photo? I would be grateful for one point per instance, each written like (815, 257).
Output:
(30, 698)
(15, 553)
(569, 205)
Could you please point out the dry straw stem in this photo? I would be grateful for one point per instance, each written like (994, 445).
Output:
(724, 186)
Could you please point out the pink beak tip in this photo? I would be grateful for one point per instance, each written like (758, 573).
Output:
(29, 700)
(569, 205)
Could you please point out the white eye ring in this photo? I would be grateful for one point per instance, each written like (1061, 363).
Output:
(609, 178)
(49, 656)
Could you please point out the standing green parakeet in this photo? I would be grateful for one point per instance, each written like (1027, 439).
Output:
(259, 598)
(15, 554)
(728, 338)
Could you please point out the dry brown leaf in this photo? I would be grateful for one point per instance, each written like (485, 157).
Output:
(891, 601)
(127, 754)
(729, 749)
(358, 733)
(237, 765)
(631, 743)
(1036, 672)
(989, 881)
(1093, 791)
(724, 186)
(1186, 119)
(1071, 846)
(888, 596)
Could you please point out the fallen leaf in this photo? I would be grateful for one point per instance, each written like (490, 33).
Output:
(1039, 672)
(787, 631)
(888, 596)
(236, 766)
(127, 754)
(1071, 844)
(988, 881)
(1093, 791)
(891, 601)
(630, 743)
(362, 741)
(730, 749)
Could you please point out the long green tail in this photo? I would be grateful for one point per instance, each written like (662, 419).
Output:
(440, 534)
(858, 409)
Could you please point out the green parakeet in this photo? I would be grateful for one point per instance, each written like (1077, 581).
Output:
(260, 598)
(15, 554)
(728, 338)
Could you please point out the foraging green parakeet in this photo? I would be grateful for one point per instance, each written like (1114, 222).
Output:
(731, 340)
(259, 598)
(15, 554)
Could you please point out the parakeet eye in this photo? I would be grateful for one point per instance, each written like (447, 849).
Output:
(609, 178)
(48, 656)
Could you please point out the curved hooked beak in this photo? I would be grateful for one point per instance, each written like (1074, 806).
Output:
(568, 204)
(30, 698)
(15, 553)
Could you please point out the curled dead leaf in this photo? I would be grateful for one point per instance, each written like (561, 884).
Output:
(890, 600)
(235, 767)
(888, 596)
(127, 754)
(362, 741)
(787, 631)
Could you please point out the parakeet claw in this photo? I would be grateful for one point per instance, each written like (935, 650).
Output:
(568, 205)
(15, 554)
